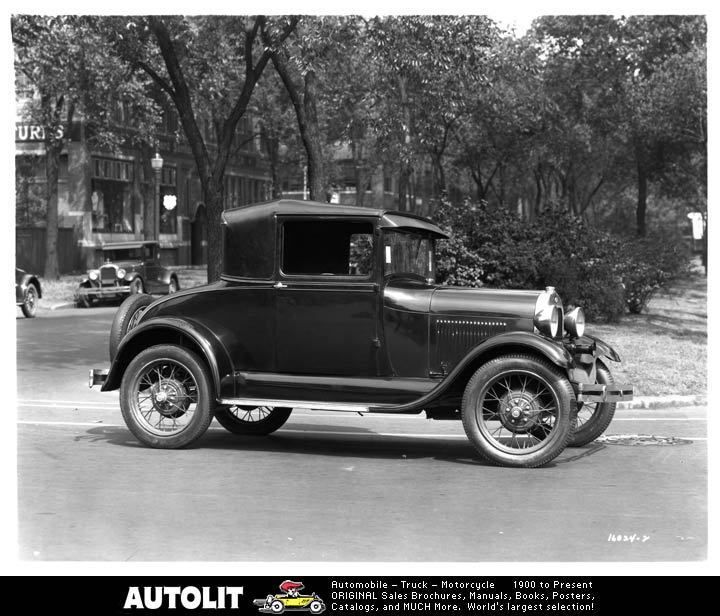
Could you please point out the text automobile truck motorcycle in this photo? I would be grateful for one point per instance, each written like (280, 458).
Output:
(331, 307)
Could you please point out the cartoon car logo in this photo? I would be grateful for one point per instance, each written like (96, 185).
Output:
(290, 599)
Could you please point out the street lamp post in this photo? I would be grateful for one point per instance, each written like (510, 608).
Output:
(157, 165)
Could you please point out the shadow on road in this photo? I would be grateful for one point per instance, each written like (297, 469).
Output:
(403, 448)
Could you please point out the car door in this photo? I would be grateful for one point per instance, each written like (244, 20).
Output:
(327, 298)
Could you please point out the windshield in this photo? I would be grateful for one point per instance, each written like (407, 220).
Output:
(409, 253)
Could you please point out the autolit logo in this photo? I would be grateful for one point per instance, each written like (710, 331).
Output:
(185, 597)
(290, 599)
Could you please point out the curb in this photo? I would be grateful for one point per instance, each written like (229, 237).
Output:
(63, 306)
(661, 402)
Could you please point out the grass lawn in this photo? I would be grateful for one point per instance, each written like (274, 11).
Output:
(663, 350)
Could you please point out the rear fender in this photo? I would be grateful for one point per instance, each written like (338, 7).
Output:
(183, 332)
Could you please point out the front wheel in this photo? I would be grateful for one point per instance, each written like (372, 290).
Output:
(29, 306)
(518, 411)
(252, 421)
(137, 287)
(165, 397)
(174, 286)
(593, 418)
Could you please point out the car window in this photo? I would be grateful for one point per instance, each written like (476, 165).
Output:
(409, 253)
(327, 248)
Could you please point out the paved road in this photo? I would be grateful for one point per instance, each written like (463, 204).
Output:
(332, 486)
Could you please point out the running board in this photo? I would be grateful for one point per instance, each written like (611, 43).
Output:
(302, 404)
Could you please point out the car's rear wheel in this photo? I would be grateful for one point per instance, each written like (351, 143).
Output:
(593, 418)
(165, 397)
(30, 304)
(316, 607)
(252, 421)
(518, 410)
(126, 318)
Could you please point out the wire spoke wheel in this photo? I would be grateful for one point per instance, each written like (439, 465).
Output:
(252, 420)
(593, 418)
(517, 411)
(165, 396)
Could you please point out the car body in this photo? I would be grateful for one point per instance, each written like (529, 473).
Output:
(333, 307)
(127, 268)
(27, 292)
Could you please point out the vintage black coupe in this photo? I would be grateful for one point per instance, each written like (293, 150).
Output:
(330, 307)
(128, 268)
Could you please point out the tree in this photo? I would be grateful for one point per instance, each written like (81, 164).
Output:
(208, 67)
(64, 58)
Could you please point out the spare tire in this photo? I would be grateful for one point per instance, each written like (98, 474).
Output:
(126, 318)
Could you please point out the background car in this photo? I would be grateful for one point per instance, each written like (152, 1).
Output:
(27, 292)
(128, 268)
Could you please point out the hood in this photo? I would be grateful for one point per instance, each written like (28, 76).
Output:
(469, 301)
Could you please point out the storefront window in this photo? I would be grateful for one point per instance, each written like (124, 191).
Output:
(112, 207)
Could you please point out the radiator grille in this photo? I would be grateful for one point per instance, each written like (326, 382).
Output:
(108, 274)
(454, 337)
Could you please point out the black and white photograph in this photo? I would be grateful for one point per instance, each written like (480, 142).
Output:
(359, 288)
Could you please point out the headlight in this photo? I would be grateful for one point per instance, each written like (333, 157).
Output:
(93, 275)
(549, 313)
(121, 273)
(575, 322)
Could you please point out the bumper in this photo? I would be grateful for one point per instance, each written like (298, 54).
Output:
(98, 376)
(103, 291)
(596, 392)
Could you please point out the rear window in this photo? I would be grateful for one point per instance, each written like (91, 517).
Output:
(327, 248)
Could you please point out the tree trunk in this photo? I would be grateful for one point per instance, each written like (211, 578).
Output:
(53, 147)
(147, 190)
(641, 211)
(214, 199)
(317, 181)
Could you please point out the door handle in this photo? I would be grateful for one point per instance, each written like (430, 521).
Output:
(280, 285)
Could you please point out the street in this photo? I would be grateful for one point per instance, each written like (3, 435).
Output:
(332, 486)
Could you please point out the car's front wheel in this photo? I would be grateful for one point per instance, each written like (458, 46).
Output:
(593, 418)
(29, 306)
(518, 410)
(277, 607)
(166, 397)
(137, 287)
(251, 420)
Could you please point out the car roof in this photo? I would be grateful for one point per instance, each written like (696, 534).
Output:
(136, 244)
(294, 207)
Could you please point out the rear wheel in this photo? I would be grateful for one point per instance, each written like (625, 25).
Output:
(249, 420)
(518, 411)
(29, 306)
(593, 418)
(126, 318)
(165, 397)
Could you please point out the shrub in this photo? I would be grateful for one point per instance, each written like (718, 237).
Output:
(602, 272)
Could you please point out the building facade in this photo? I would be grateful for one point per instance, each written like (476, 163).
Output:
(106, 197)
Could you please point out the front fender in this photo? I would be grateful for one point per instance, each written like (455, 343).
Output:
(184, 332)
(29, 279)
(604, 348)
(510, 342)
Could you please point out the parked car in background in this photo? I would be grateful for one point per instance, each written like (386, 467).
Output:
(128, 268)
(27, 292)
(332, 307)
